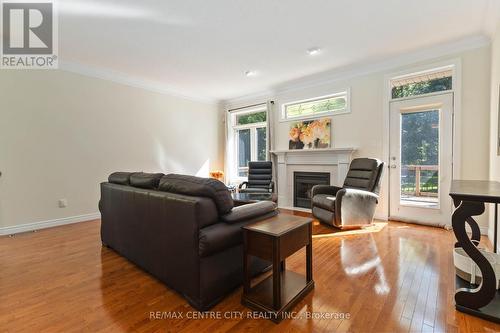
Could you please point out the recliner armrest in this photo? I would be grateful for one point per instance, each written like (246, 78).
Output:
(249, 211)
(325, 189)
(355, 207)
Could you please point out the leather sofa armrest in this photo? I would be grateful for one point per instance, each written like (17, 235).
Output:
(249, 211)
(355, 207)
(325, 189)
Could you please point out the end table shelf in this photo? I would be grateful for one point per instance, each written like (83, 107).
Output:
(274, 240)
(293, 286)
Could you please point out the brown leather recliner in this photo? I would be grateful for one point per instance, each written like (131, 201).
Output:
(352, 205)
(181, 229)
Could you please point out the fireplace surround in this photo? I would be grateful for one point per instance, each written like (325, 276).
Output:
(334, 161)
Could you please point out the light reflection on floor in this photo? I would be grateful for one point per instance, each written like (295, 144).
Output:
(354, 265)
(376, 227)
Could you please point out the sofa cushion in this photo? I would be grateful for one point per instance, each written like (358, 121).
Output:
(324, 201)
(221, 236)
(246, 212)
(121, 178)
(145, 180)
(202, 187)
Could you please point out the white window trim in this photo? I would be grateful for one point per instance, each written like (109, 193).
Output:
(347, 92)
(233, 167)
(456, 64)
(451, 67)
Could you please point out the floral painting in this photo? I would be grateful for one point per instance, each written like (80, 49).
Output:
(310, 134)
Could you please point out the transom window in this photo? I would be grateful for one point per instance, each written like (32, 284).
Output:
(422, 83)
(250, 137)
(332, 104)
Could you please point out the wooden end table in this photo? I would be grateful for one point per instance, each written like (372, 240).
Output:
(274, 240)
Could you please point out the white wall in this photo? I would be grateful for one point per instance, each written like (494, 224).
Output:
(61, 134)
(363, 128)
(494, 109)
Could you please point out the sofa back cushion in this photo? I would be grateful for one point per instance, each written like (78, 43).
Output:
(202, 187)
(145, 180)
(120, 178)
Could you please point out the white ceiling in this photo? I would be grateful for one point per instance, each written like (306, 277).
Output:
(202, 48)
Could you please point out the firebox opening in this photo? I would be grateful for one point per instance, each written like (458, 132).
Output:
(303, 184)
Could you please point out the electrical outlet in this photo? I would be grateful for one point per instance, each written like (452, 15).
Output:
(63, 203)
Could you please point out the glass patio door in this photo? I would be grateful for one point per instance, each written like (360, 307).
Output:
(421, 159)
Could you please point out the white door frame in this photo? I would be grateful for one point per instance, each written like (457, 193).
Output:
(456, 67)
(436, 216)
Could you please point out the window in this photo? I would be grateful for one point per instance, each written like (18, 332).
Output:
(250, 138)
(422, 83)
(333, 104)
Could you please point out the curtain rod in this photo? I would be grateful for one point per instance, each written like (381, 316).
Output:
(249, 106)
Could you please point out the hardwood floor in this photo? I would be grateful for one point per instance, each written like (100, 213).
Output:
(393, 277)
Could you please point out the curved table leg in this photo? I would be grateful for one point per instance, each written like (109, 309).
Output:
(476, 232)
(481, 296)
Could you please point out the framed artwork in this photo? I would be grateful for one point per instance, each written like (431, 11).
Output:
(310, 134)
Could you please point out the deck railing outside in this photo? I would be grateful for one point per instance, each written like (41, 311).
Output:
(420, 180)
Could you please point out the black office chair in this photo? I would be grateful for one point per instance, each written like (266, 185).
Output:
(352, 205)
(260, 178)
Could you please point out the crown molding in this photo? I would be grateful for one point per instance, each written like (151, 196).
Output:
(366, 68)
(322, 78)
(491, 18)
(361, 69)
(121, 78)
(262, 96)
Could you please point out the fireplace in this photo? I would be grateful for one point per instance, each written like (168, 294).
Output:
(303, 184)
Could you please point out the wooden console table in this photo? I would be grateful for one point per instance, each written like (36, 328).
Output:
(469, 197)
(274, 240)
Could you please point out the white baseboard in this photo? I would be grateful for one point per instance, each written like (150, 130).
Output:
(300, 209)
(16, 229)
(491, 236)
(381, 217)
(378, 217)
(483, 230)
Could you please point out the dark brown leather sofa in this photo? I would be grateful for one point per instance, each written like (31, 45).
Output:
(183, 230)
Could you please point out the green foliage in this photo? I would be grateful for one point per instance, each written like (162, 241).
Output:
(251, 118)
(420, 138)
(420, 146)
(420, 88)
(428, 181)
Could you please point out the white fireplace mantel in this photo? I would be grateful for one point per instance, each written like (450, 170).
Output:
(333, 160)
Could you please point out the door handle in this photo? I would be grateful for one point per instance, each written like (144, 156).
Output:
(393, 166)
